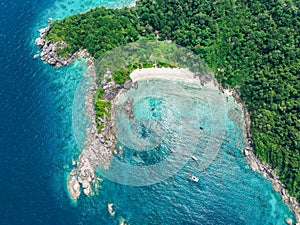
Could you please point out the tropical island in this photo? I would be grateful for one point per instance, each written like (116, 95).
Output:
(252, 48)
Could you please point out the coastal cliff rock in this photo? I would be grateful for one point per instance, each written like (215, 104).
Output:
(49, 50)
(98, 145)
(40, 42)
(263, 168)
(44, 31)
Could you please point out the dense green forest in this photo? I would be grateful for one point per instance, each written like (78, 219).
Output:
(97, 31)
(252, 46)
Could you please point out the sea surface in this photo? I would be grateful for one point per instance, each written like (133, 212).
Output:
(42, 124)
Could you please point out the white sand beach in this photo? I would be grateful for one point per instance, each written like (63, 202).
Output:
(164, 73)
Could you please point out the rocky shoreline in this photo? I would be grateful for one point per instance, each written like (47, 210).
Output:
(83, 174)
(98, 146)
(260, 167)
(49, 50)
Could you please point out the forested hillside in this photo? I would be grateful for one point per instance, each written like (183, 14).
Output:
(97, 31)
(253, 46)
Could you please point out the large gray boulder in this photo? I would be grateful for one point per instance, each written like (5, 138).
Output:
(289, 221)
(40, 42)
(52, 61)
(44, 31)
(128, 84)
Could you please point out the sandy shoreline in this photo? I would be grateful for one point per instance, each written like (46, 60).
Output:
(164, 73)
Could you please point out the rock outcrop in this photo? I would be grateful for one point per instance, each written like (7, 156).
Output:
(49, 50)
(110, 209)
(128, 84)
(99, 145)
(98, 150)
(74, 188)
(289, 221)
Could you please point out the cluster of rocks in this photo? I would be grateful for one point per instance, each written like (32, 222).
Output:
(262, 168)
(111, 89)
(128, 108)
(98, 149)
(49, 50)
(82, 175)
(204, 79)
(99, 145)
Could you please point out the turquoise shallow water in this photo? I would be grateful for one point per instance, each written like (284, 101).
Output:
(228, 191)
(42, 128)
(68, 88)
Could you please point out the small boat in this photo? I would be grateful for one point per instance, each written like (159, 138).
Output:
(195, 179)
(194, 158)
(216, 140)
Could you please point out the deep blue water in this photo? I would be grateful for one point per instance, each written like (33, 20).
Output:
(28, 125)
(37, 143)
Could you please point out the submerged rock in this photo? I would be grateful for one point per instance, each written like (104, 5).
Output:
(36, 56)
(289, 221)
(110, 209)
(74, 188)
(122, 221)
